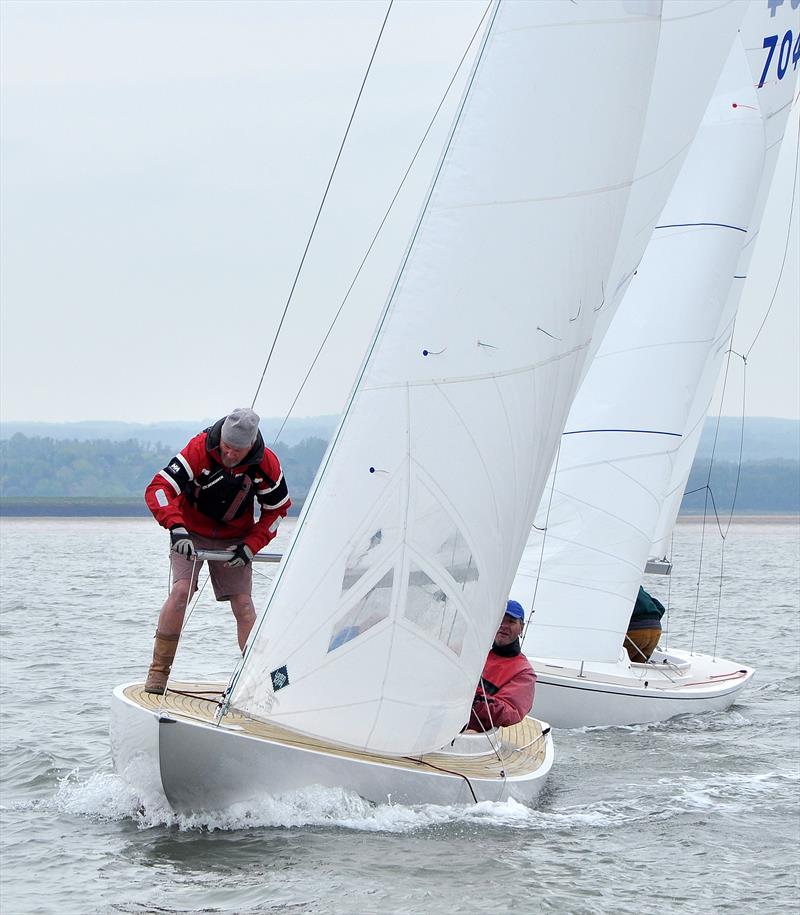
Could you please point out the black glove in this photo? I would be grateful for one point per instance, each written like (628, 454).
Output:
(181, 542)
(242, 556)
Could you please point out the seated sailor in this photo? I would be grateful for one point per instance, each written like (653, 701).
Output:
(505, 691)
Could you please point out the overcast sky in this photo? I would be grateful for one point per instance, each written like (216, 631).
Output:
(162, 164)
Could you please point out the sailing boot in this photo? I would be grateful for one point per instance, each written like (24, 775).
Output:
(163, 656)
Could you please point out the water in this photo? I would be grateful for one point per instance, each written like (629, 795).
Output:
(696, 815)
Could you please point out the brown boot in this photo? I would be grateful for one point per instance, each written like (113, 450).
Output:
(163, 656)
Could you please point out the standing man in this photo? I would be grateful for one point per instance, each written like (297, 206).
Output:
(644, 628)
(505, 692)
(205, 497)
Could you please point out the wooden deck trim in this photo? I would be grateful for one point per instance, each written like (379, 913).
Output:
(522, 747)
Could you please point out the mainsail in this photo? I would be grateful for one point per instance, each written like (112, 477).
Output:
(388, 598)
(633, 429)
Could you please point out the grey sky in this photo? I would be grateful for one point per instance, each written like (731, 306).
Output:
(162, 165)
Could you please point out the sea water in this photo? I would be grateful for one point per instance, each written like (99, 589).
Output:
(696, 815)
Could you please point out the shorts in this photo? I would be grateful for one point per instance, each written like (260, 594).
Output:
(641, 643)
(225, 580)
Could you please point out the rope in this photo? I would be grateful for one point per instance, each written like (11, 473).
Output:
(380, 227)
(527, 746)
(653, 669)
(186, 617)
(430, 765)
(321, 205)
(495, 749)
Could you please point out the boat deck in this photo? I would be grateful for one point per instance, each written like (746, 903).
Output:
(520, 749)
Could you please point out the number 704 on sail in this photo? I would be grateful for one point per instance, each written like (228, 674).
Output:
(789, 48)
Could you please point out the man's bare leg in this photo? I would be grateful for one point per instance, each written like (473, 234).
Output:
(245, 613)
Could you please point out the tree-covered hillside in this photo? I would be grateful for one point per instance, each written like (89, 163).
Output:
(763, 487)
(47, 468)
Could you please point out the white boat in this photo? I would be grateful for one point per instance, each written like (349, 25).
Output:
(361, 669)
(635, 424)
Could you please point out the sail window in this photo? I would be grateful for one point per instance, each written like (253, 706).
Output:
(437, 537)
(362, 558)
(371, 609)
(430, 608)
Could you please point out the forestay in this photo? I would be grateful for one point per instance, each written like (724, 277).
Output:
(652, 380)
(393, 586)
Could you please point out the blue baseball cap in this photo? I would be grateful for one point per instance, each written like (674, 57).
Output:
(514, 608)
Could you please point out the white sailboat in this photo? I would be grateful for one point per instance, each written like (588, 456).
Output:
(635, 424)
(361, 669)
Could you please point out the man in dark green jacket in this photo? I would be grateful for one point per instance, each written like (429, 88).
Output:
(644, 629)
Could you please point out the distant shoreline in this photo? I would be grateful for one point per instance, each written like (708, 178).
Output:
(749, 518)
(78, 507)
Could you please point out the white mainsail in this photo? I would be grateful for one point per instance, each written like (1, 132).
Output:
(626, 454)
(391, 591)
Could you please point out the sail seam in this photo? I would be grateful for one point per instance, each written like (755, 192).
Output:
(587, 192)
(713, 225)
(460, 379)
(637, 431)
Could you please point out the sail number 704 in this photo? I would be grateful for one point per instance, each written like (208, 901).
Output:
(786, 52)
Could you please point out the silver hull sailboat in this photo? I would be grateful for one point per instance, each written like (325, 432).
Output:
(361, 670)
(203, 766)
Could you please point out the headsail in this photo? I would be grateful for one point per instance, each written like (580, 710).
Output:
(770, 35)
(630, 440)
(378, 625)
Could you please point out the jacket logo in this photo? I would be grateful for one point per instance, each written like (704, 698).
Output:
(175, 467)
(280, 678)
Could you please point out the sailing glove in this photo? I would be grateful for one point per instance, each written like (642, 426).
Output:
(242, 556)
(181, 543)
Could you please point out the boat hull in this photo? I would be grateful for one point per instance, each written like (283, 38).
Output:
(201, 767)
(625, 694)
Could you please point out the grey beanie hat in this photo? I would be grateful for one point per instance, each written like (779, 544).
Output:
(240, 428)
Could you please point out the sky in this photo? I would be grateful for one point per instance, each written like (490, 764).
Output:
(162, 165)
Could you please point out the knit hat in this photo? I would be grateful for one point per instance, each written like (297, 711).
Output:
(240, 428)
(514, 608)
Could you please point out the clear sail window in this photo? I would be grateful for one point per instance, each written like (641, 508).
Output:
(371, 609)
(429, 607)
(362, 558)
(437, 536)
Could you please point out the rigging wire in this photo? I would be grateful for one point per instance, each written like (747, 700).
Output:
(381, 224)
(708, 488)
(669, 589)
(321, 205)
(709, 494)
(785, 252)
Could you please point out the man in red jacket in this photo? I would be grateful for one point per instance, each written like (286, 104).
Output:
(505, 692)
(205, 498)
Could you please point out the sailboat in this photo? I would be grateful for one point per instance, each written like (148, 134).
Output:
(361, 669)
(635, 424)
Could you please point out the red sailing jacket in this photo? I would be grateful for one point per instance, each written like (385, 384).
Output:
(197, 491)
(505, 693)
